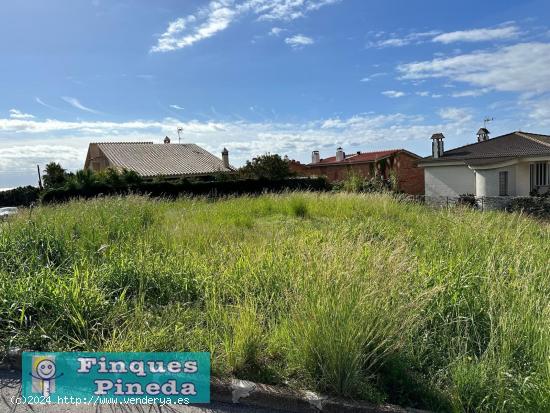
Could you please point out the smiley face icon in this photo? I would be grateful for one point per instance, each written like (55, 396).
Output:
(45, 369)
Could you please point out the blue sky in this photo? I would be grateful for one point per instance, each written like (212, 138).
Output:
(256, 76)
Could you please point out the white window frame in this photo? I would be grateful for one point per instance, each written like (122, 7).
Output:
(539, 174)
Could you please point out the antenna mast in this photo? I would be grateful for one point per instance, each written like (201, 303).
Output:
(180, 129)
(487, 120)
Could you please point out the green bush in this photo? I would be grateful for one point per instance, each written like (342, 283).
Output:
(536, 206)
(21, 196)
(172, 189)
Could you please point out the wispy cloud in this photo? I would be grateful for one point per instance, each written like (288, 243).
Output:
(276, 31)
(384, 40)
(470, 93)
(425, 93)
(455, 114)
(519, 68)
(299, 41)
(17, 114)
(373, 76)
(46, 105)
(188, 30)
(393, 93)
(394, 40)
(178, 107)
(76, 103)
(218, 15)
(478, 35)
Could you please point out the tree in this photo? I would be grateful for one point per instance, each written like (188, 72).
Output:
(266, 166)
(54, 176)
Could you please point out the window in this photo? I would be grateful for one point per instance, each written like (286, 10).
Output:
(540, 174)
(503, 183)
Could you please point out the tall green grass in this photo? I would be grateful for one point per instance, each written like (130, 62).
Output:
(363, 296)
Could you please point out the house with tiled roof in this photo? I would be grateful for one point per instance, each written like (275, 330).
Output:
(399, 163)
(149, 160)
(515, 164)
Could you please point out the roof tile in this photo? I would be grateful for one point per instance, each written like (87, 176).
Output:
(148, 159)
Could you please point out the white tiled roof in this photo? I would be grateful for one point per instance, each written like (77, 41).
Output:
(148, 159)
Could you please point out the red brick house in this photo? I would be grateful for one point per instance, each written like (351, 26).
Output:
(398, 162)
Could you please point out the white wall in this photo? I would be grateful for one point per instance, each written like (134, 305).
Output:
(487, 181)
(523, 178)
(451, 181)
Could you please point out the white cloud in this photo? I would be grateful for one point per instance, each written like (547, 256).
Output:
(393, 93)
(519, 68)
(17, 114)
(67, 142)
(478, 35)
(276, 31)
(76, 103)
(399, 41)
(539, 111)
(220, 14)
(211, 20)
(46, 105)
(371, 77)
(177, 107)
(425, 93)
(455, 114)
(470, 93)
(283, 9)
(298, 41)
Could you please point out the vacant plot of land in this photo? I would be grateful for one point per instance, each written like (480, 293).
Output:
(361, 296)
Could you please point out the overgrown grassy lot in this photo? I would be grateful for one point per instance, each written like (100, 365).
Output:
(362, 296)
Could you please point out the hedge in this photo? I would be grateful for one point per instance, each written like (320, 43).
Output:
(21, 196)
(174, 189)
(536, 206)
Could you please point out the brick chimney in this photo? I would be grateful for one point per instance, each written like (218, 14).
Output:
(225, 157)
(437, 145)
(315, 157)
(340, 155)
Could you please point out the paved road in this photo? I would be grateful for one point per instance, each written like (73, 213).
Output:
(10, 385)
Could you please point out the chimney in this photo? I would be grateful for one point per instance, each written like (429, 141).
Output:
(340, 155)
(225, 157)
(315, 158)
(483, 135)
(437, 145)
(167, 140)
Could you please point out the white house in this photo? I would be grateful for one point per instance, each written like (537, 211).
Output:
(515, 164)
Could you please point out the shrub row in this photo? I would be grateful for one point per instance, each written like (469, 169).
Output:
(185, 187)
(21, 196)
(536, 206)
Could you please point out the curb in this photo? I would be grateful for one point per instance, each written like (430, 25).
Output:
(265, 396)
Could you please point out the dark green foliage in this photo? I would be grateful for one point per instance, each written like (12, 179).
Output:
(467, 200)
(54, 176)
(173, 189)
(536, 206)
(21, 196)
(266, 166)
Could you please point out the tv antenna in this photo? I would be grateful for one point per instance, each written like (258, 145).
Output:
(180, 130)
(487, 120)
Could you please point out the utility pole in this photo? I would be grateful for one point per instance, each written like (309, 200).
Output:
(39, 178)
